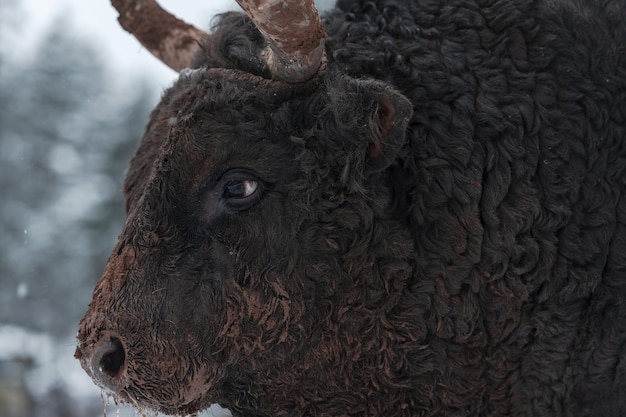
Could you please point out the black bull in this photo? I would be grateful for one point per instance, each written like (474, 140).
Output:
(433, 225)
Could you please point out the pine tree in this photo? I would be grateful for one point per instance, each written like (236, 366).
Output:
(64, 144)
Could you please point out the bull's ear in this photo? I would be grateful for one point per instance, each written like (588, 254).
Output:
(368, 119)
(392, 115)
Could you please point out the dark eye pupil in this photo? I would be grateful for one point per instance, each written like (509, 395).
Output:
(240, 188)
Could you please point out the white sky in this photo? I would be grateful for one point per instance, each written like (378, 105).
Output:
(97, 19)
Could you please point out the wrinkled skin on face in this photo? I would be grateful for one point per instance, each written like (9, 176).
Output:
(237, 217)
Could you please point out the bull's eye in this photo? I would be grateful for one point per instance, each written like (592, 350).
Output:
(235, 190)
(240, 188)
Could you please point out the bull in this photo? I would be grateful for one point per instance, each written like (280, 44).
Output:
(405, 208)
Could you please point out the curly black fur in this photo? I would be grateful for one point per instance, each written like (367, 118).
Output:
(441, 231)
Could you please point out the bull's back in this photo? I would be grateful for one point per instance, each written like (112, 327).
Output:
(517, 170)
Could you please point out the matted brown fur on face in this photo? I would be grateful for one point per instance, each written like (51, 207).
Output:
(196, 293)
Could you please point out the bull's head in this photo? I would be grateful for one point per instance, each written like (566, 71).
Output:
(258, 205)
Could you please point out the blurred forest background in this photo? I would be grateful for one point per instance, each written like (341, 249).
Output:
(66, 137)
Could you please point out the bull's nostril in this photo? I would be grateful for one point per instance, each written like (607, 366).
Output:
(112, 361)
(108, 361)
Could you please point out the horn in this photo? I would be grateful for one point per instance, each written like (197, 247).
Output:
(294, 34)
(171, 40)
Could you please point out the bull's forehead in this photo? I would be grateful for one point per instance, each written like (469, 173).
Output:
(205, 126)
(216, 133)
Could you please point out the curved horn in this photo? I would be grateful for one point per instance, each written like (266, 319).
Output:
(171, 40)
(294, 33)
